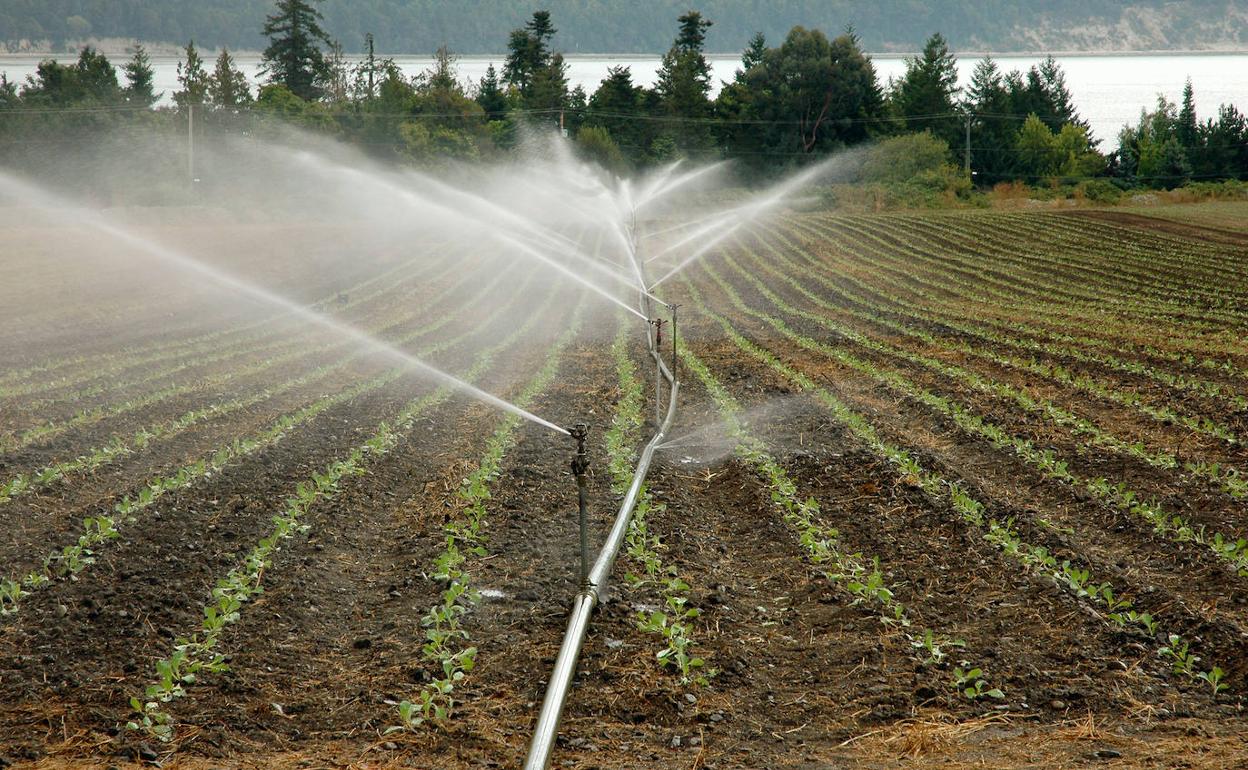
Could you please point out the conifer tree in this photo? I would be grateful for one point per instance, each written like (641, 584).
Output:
(139, 79)
(293, 57)
(924, 97)
(228, 86)
(193, 78)
(684, 84)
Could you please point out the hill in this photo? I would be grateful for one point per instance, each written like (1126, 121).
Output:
(647, 26)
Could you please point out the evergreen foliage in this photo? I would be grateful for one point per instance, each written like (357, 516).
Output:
(787, 105)
(139, 79)
(193, 78)
(293, 56)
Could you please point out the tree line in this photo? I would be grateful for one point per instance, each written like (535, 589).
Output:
(789, 104)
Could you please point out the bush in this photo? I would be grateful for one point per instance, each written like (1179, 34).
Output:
(595, 143)
(1098, 191)
(906, 158)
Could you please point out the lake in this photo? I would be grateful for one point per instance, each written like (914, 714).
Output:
(1109, 90)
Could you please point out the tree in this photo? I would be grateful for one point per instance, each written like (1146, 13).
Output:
(1185, 129)
(924, 97)
(539, 77)
(987, 105)
(491, 96)
(595, 143)
(1043, 154)
(905, 158)
(336, 85)
(228, 85)
(193, 79)
(1225, 143)
(90, 80)
(684, 84)
(753, 54)
(810, 95)
(293, 57)
(1150, 151)
(139, 79)
(451, 124)
(529, 51)
(616, 107)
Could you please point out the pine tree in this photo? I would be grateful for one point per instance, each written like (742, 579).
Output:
(293, 57)
(193, 78)
(1186, 130)
(925, 95)
(753, 55)
(539, 76)
(228, 86)
(684, 84)
(139, 79)
(490, 95)
(529, 51)
(992, 134)
(614, 106)
(1060, 102)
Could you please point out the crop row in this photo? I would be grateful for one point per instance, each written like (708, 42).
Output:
(45, 431)
(217, 345)
(1097, 317)
(1049, 266)
(120, 446)
(918, 248)
(1234, 552)
(674, 622)
(1226, 477)
(861, 578)
(955, 319)
(72, 559)
(1099, 266)
(446, 647)
(198, 654)
(1078, 582)
(891, 304)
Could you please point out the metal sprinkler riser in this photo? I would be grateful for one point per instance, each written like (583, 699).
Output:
(580, 466)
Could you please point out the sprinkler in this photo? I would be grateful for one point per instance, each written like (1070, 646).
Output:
(657, 323)
(658, 332)
(580, 464)
(675, 360)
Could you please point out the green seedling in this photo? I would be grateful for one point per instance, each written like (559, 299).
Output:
(973, 686)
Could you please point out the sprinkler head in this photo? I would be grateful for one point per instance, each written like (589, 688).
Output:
(658, 330)
(580, 463)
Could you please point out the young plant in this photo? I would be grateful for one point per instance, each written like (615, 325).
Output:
(973, 686)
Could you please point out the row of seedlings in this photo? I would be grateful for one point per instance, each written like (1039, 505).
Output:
(199, 654)
(1112, 605)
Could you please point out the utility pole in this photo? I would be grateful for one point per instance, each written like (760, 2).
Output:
(371, 63)
(968, 144)
(190, 143)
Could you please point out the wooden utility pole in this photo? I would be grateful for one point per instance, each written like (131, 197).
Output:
(190, 143)
(968, 144)
(371, 63)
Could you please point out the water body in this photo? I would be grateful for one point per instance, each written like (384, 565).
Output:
(1109, 90)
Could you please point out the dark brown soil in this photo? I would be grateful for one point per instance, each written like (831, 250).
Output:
(805, 677)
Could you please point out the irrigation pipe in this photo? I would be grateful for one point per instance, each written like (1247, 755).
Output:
(542, 744)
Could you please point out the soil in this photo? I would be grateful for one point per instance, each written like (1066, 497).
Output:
(804, 676)
(1187, 230)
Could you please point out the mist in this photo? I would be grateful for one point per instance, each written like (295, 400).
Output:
(294, 234)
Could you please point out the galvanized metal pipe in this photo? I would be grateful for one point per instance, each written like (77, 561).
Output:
(543, 743)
